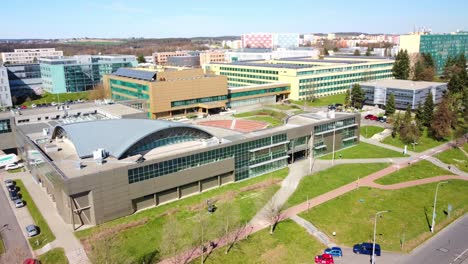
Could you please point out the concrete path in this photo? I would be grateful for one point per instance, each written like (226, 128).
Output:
(311, 229)
(63, 232)
(378, 143)
(446, 166)
(407, 184)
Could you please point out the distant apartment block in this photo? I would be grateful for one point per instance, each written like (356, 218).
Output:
(24, 79)
(5, 96)
(407, 93)
(23, 56)
(160, 58)
(80, 73)
(270, 40)
(268, 54)
(232, 44)
(440, 46)
(184, 61)
(212, 57)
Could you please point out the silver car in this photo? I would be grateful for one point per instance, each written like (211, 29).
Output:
(32, 230)
(18, 203)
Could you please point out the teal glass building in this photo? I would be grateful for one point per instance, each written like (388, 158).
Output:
(441, 47)
(79, 73)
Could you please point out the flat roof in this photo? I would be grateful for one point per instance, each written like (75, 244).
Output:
(402, 84)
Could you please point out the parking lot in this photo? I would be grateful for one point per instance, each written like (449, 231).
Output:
(351, 258)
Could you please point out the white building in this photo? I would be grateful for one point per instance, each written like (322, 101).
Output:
(251, 54)
(5, 95)
(25, 56)
(232, 44)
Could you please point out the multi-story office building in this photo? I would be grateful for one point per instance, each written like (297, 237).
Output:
(268, 54)
(184, 61)
(24, 79)
(5, 95)
(307, 77)
(440, 46)
(115, 165)
(80, 73)
(24, 56)
(160, 58)
(212, 57)
(407, 93)
(270, 40)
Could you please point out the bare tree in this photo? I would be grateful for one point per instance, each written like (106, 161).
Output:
(272, 212)
(98, 92)
(103, 250)
(174, 241)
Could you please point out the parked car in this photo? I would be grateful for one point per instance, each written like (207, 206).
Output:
(371, 117)
(31, 261)
(11, 188)
(23, 107)
(382, 119)
(9, 182)
(36, 162)
(32, 230)
(14, 195)
(53, 104)
(34, 105)
(18, 203)
(366, 248)
(14, 166)
(331, 107)
(324, 259)
(334, 251)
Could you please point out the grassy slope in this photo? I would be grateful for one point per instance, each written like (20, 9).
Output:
(324, 101)
(274, 118)
(455, 157)
(284, 106)
(2, 246)
(143, 240)
(46, 235)
(419, 170)
(330, 179)
(290, 243)
(49, 98)
(54, 256)
(353, 221)
(424, 143)
(371, 130)
(364, 151)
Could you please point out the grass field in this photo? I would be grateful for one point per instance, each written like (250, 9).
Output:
(284, 106)
(419, 170)
(46, 235)
(15, 170)
(274, 118)
(58, 98)
(330, 179)
(290, 243)
(143, 240)
(54, 256)
(424, 143)
(455, 157)
(2, 246)
(364, 151)
(324, 101)
(351, 215)
(369, 131)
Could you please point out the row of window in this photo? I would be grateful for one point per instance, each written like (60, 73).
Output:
(199, 100)
(344, 76)
(350, 68)
(248, 70)
(5, 126)
(129, 84)
(249, 76)
(130, 93)
(260, 91)
(245, 81)
(337, 124)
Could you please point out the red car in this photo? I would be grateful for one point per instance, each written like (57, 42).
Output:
(31, 261)
(371, 117)
(324, 259)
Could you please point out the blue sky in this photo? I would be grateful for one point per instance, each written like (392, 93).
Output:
(189, 18)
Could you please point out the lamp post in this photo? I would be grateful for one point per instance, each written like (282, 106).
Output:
(375, 229)
(333, 148)
(435, 201)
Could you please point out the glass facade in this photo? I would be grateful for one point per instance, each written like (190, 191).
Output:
(234, 94)
(5, 126)
(242, 154)
(122, 90)
(441, 47)
(199, 100)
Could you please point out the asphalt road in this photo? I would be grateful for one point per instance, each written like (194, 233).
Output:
(12, 235)
(450, 246)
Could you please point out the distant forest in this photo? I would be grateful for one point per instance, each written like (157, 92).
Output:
(116, 46)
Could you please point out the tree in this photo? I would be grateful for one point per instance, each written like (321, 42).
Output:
(401, 67)
(141, 59)
(428, 60)
(335, 49)
(272, 212)
(175, 240)
(98, 93)
(419, 116)
(396, 125)
(368, 52)
(347, 100)
(418, 71)
(102, 248)
(357, 96)
(444, 120)
(325, 52)
(428, 110)
(357, 52)
(455, 85)
(390, 106)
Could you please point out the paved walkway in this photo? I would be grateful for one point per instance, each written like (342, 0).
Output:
(63, 232)
(314, 231)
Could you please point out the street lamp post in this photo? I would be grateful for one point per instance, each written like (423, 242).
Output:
(435, 201)
(333, 148)
(375, 229)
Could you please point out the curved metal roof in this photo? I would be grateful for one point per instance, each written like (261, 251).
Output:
(114, 135)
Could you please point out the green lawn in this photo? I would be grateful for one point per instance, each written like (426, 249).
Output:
(15, 170)
(284, 106)
(2, 246)
(274, 118)
(324, 101)
(364, 151)
(424, 143)
(290, 243)
(419, 170)
(369, 131)
(46, 236)
(330, 179)
(455, 157)
(58, 98)
(143, 240)
(54, 256)
(351, 215)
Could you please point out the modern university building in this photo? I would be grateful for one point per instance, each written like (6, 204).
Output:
(306, 77)
(102, 162)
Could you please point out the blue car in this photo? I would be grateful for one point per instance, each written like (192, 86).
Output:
(366, 248)
(334, 251)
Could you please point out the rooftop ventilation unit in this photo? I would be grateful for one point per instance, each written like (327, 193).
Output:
(99, 155)
(50, 148)
(45, 131)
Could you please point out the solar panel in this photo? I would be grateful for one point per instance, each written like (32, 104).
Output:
(136, 74)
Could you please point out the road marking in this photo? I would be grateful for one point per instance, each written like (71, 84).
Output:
(459, 256)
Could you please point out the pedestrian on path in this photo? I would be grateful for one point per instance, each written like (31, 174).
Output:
(449, 167)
